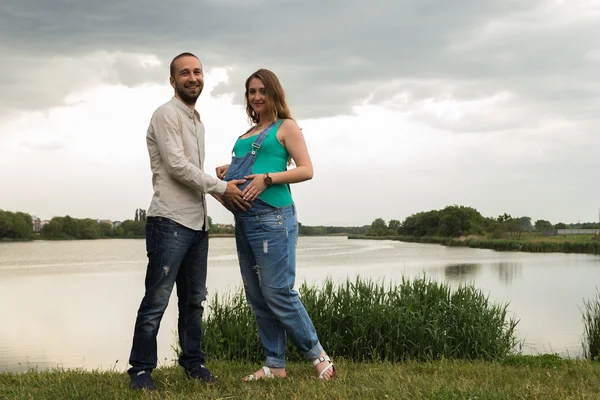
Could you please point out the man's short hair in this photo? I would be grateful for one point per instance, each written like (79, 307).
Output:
(172, 66)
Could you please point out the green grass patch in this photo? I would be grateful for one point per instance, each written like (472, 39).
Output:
(439, 380)
(530, 243)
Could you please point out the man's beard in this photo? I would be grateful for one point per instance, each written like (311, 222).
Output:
(189, 99)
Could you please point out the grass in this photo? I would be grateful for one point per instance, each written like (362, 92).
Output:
(362, 320)
(521, 377)
(591, 322)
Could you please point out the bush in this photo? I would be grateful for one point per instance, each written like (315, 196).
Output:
(591, 323)
(366, 321)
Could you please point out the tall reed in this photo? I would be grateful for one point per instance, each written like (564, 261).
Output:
(364, 320)
(591, 325)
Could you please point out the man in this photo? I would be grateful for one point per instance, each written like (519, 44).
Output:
(176, 228)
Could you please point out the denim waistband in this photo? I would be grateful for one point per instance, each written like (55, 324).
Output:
(259, 207)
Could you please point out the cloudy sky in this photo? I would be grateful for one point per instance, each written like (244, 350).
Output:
(406, 105)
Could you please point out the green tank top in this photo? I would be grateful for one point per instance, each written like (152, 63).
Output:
(271, 157)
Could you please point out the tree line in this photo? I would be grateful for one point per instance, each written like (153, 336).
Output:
(19, 226)
(15, 225)
(452, 221)
(457, 221)
(87, 228)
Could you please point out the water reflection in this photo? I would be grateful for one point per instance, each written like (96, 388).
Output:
(461, 272)
(90, 292)
(508, 271)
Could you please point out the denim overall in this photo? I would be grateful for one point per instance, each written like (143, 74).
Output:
(266, 238)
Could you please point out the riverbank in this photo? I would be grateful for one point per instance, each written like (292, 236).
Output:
(527, 243)
(518, 377)
(212, 235)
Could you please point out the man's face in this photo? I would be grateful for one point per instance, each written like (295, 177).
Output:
(188, 81)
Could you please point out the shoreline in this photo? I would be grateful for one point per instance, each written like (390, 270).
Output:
(538, 246)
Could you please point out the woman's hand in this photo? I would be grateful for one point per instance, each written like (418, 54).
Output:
(254, 188)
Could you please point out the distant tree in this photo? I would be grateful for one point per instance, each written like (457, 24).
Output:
(21, 226)
(456, 221)
(3, 224)
(379, 223)
(88, 229)
(106, 229)
(504, 217)
(131, 228)
(54, 229)
(560, 225)
(394, 225)
(378, 228)
(69, 227)
(543, 225)
(140, 215)
(421, 224)
(525, 223)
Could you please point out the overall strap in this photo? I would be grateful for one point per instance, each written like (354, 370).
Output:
(263, 135)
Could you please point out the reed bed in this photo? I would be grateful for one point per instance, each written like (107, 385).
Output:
(591, 325)
(363, 320)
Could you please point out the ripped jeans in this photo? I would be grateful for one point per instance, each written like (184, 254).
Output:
(175, 254)
(266, 240)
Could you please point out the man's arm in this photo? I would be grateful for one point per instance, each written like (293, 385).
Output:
(167, 133)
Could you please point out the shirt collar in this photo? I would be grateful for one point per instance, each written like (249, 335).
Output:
(188, 111)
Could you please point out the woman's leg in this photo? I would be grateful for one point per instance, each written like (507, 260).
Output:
(271, 332)
(273, 237)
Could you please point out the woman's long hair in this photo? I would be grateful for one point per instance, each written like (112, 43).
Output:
(274, 98)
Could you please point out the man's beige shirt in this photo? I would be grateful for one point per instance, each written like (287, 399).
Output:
(175, 142)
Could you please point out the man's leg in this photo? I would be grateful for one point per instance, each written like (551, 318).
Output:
(191, 292)
(167, 247)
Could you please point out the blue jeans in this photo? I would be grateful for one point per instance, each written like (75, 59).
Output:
(175, 254)
(266, 240)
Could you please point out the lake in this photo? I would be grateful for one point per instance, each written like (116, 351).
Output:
(73, 304)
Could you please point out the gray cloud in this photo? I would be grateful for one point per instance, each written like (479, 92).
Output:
(330, 55)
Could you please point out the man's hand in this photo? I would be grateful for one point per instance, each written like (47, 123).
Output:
(222, 170)
(233, 195)
(224, 203)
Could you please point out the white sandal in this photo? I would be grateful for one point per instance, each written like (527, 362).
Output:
(268, 375)
(325, 358)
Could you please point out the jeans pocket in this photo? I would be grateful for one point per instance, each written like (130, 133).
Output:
(152, 235)
(272, 222)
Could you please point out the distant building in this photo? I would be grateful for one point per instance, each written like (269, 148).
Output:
(116, 224)
(225, 226)
(37, 223)
(556, 232)
(105, 221)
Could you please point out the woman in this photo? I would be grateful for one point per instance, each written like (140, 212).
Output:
(267, 233)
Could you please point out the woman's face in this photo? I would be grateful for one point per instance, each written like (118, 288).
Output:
(257, 95)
